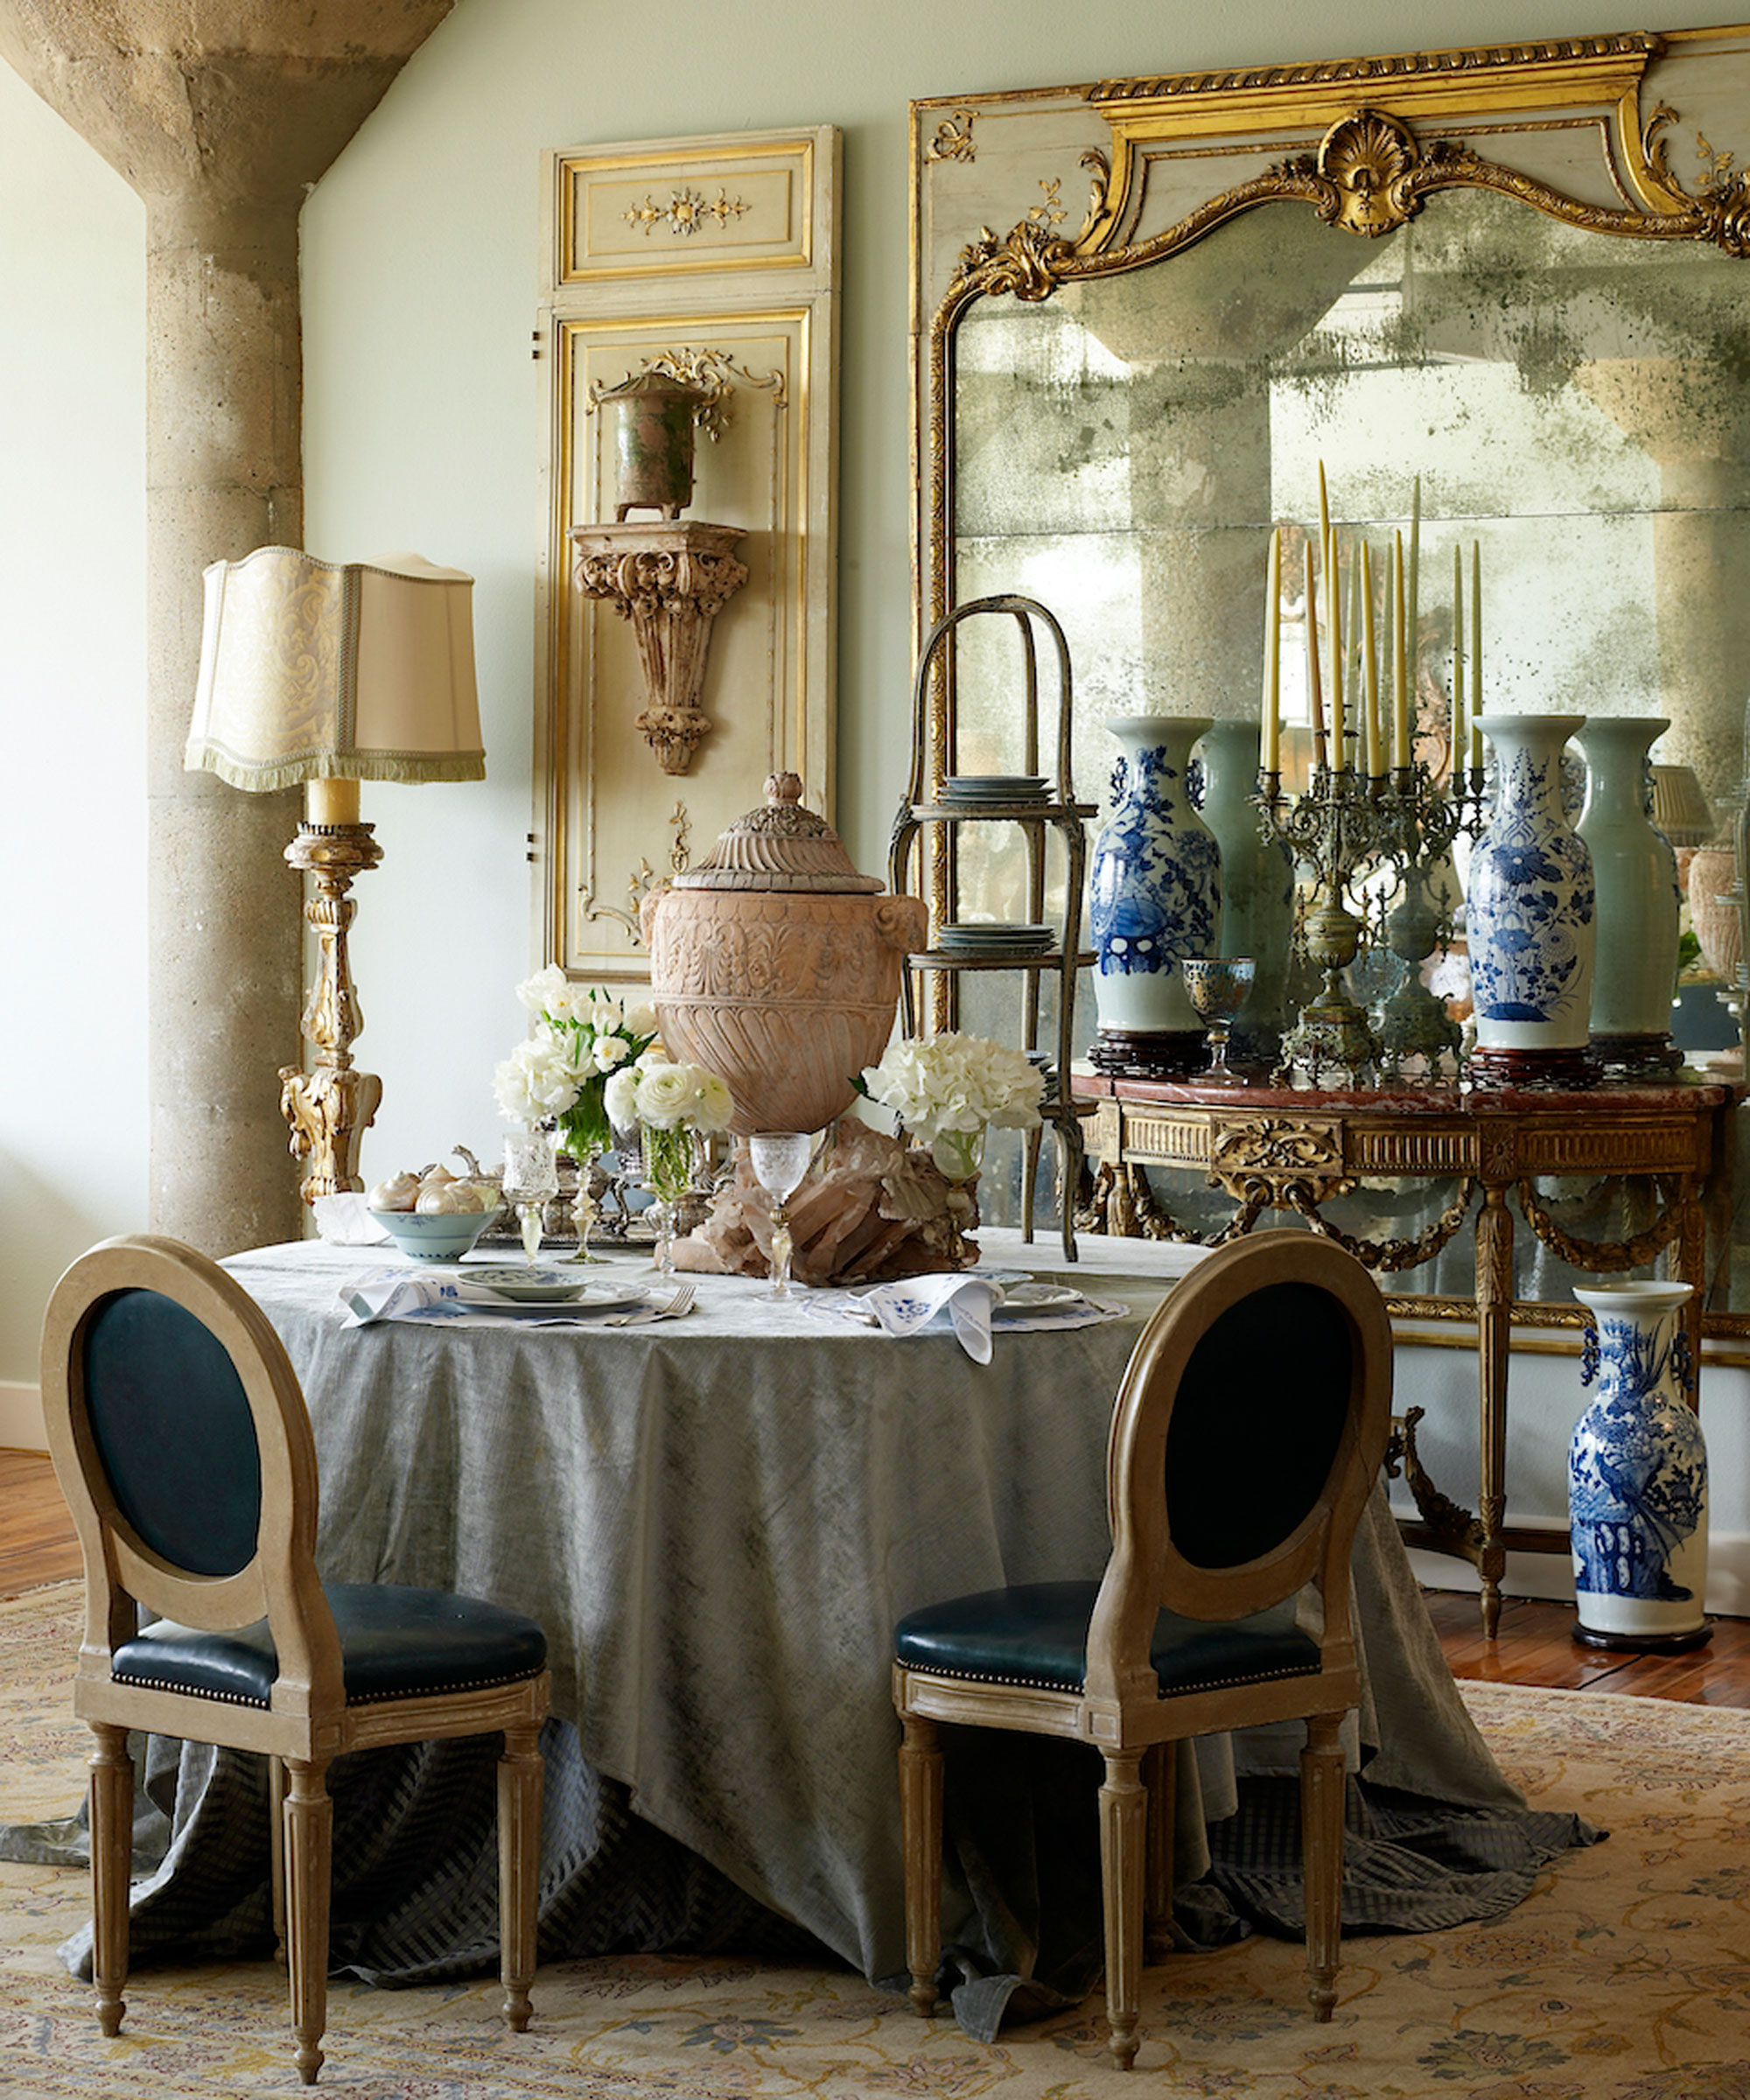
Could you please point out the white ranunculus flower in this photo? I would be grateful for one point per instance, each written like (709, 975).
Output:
(665, 1096)
(538, 993)
(536, 1080)
(620, 1098)
(715, 1107)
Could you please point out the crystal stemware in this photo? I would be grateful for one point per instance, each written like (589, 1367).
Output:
(531, 1177)
(780, 1159)
(1218, 987)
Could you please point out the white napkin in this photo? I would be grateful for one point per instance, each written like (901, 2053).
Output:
(345, 1221)
(902, 1308)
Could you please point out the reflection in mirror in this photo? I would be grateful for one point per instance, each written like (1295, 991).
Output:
(1576, 405)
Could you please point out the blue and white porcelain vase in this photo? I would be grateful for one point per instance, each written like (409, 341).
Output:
(1637, 1474)
(1635, 874)
(1530, 908)
(1155, 895)
(1257, 888)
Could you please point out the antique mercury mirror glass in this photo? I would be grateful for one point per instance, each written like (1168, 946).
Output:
(1499, 296)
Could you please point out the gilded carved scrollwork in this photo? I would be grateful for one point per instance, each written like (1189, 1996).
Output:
(1278, 1150)
(1604, 1257)
(1387, 1255)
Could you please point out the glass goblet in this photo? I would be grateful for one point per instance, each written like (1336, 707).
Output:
(1218, 987)
(780, 1159)
(531, 1176)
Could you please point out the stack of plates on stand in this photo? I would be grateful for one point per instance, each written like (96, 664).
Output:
(984, 939)
(994, 787)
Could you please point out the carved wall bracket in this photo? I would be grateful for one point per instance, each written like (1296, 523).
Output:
(670, 581)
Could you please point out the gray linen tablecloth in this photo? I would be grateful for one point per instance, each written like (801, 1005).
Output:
(718, 1521)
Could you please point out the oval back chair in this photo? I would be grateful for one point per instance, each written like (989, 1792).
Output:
(1248, 1428)
(182, 1444)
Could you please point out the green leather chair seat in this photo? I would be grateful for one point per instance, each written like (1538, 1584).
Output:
(1036, 1634)
(395, 1644)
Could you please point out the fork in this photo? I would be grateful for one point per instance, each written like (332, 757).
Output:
(671, 1308)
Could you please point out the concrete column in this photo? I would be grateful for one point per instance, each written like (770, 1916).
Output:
(221, 113)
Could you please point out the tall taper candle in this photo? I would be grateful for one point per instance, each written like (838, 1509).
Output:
(1403, 751)
(1476, 655)
(1272, 655)
(1334, 620)
(1460, 746)
(1375, 742)
(1415, 559)
(1315, 697)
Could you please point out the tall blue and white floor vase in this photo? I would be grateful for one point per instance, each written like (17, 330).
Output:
(1154, 898)
(1530, 912)
(1637, 1475)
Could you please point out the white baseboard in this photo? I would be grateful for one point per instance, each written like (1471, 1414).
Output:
(21, 1417)
(1552, 1575)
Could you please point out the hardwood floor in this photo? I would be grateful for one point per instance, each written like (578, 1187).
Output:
(37, 1541)
(1536, 1647)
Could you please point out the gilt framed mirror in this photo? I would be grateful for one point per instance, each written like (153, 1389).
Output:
(1504, 290)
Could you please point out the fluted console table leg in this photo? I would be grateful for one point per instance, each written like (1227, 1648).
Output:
(1495, 1336)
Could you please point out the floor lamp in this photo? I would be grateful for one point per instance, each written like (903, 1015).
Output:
(332, 673)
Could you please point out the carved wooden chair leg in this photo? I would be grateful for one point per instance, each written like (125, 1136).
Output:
(276, 1852)
(1160, 1779)
(519, 1777)
(1123, 1817)
(309, 1838)
(1321, 1853)
(920, 1825)
(112, 1849)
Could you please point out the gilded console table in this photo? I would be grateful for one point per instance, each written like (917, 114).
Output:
(1275, 1149)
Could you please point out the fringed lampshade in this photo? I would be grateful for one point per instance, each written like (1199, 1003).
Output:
(328, 670)
(331, 673)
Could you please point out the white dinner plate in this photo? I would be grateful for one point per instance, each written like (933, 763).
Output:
(553, 1287)
(1020, 1300)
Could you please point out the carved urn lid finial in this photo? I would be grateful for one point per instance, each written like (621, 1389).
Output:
(780, 847)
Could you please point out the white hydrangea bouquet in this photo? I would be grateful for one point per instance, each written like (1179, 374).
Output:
(560, 1073)
(669, 1102)
(948, 1090)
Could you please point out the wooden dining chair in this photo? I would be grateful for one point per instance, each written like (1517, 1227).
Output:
(183, 1447)
(1248, 1428)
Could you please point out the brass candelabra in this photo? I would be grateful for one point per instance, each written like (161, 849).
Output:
(1345, 825)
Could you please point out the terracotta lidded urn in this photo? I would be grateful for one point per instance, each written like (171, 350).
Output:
(775, 964)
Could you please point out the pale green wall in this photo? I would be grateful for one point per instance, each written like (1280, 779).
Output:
(72, 957)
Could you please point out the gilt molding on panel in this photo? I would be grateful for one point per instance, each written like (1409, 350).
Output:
(687, 213)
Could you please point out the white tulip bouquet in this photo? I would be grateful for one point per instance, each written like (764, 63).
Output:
(561, 1071)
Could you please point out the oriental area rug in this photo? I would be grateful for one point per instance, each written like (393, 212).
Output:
(1624, 1976)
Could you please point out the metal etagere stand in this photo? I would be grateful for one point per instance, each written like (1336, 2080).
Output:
(934, 806)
